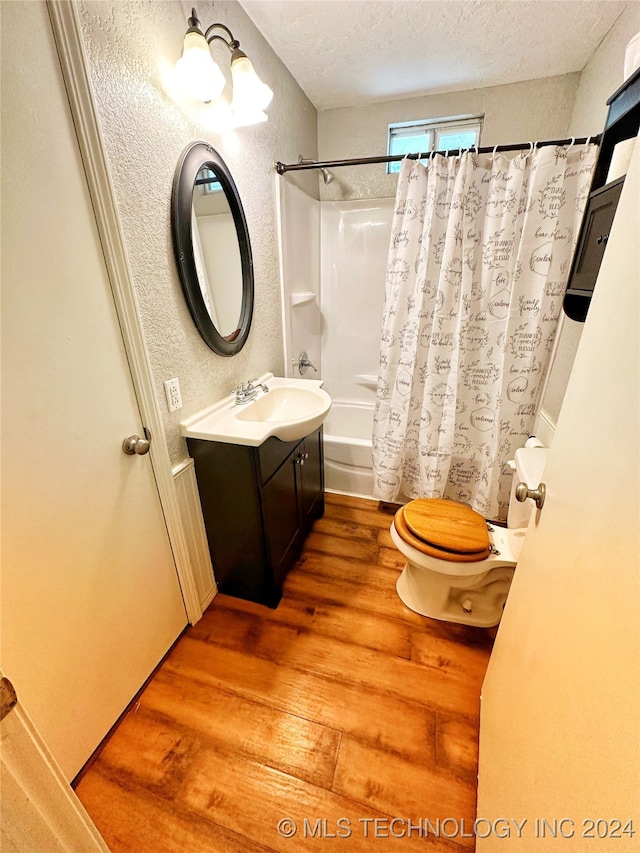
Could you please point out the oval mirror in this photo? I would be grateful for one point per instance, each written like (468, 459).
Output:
(212, 248)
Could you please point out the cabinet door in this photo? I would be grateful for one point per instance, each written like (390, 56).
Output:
(280, 517)
(594, 236)
(311, 479)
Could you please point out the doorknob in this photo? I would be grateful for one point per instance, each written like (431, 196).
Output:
(538, 495)
(133, 445)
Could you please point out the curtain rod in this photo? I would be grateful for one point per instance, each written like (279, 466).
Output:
(281, 168)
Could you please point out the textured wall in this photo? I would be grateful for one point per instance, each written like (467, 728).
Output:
(131, 47)
(535, 109)
(603, 74)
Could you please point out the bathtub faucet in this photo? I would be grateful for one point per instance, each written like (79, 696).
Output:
(303, 362)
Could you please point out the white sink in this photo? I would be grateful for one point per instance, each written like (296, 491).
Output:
(291, 409)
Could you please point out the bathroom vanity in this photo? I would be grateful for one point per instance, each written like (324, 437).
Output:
(258, 505)
(260, 470)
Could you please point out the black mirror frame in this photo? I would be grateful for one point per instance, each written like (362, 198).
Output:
(192, 160)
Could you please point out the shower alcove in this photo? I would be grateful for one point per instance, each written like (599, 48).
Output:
(333, 262)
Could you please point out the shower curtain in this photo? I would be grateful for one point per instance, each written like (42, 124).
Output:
(478, 263)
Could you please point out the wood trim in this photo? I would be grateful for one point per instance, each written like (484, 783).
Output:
(184, 476)
(67, 32)
(544, 427)
(39, 805)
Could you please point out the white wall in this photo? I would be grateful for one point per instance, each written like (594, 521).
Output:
(531, 110)
(222, 260)
(603, 74)
(131, 49)
(560, 366)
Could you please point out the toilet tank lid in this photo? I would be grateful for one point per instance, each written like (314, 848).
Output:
(530, 462)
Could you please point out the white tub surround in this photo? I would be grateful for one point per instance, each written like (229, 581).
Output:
(333, 263)
(355, 242)
(299, 237)
(347, 449)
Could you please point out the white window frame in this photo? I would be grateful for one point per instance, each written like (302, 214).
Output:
(433, 129)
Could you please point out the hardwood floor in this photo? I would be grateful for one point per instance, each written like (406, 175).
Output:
(339, 710)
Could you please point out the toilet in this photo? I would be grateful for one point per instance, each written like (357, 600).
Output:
(459, 567)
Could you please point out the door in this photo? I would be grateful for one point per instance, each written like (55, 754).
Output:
(559, 742)
(90, 596)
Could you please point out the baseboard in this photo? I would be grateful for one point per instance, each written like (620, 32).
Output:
(193, 523)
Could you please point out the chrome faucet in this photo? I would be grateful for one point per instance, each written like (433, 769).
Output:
(303, 362)
(248, 392)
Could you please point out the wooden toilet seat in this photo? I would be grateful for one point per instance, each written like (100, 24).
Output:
(444, 529)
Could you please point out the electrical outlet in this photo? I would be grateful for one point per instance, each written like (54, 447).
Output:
(172, 390)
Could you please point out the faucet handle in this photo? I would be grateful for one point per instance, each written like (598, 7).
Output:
(303, 363)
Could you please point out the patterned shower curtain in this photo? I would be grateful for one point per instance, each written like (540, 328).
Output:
(478, 263)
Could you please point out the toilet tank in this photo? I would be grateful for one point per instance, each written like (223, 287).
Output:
(529, 468)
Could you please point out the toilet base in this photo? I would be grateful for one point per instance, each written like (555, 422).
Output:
(471, 600)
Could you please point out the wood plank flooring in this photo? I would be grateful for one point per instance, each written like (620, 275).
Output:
(338, 711)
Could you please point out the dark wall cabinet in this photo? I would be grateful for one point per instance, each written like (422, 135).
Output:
(592, 241)
(623, 122)
(258, 505)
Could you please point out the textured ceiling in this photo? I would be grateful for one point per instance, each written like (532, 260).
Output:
(348, 52)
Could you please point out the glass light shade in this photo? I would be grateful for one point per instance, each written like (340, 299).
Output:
(246, 118)
(199, 76)
(218, 116)
(250, 94)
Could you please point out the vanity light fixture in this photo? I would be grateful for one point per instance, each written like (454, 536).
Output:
(201, 78)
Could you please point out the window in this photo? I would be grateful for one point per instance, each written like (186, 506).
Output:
(438, 134)
(207, 182)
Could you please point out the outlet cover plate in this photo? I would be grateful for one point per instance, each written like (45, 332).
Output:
(172, 392)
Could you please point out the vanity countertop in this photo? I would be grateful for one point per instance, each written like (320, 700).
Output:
(291, 409)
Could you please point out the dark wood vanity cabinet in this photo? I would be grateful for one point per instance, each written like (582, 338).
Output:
(623, 122)
(258, 505)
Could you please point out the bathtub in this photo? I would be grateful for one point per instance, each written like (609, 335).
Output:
(347, 449)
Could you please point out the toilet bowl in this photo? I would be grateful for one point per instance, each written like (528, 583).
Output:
(459, 567)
